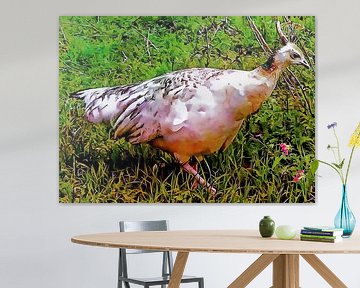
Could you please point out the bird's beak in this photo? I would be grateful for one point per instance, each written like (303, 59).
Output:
(305, 63)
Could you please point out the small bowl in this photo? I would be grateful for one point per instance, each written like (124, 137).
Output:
(285, 232)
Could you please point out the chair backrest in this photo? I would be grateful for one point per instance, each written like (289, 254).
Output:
(134, 226)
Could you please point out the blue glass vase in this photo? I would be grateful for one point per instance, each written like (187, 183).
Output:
(345, 219)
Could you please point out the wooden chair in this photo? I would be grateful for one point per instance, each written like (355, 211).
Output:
(167, 263)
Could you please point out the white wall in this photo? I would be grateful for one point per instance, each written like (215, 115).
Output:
(35, 231)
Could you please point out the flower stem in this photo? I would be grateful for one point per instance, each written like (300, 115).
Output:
(348, 166)
(336, 169)
(337, 144)
(339, 156)
(351, 155)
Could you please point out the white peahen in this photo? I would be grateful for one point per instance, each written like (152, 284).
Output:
(192, 112)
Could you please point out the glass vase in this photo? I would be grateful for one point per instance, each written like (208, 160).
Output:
(345, 219)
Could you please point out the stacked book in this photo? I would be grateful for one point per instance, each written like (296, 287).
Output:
(321, 234)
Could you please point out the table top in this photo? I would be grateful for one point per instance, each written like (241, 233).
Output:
(217, 241)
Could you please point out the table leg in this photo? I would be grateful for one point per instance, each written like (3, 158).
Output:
(253, 270)
(178, 269)
(286, 271)
(293, 262)
(324, 271)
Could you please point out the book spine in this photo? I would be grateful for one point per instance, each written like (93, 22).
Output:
(318, 239)
(320, 233)
(319, 236)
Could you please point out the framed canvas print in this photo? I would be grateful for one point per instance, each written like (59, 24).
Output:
(173, 109)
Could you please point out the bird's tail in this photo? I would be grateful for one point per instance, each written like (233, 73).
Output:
(102, 104)
(125, 108)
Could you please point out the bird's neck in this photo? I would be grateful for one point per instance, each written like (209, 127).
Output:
(267, 76)
(273, 67)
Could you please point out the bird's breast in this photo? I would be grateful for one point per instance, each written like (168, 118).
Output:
(198, 138)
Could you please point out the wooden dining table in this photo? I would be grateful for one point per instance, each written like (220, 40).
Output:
(283, 254)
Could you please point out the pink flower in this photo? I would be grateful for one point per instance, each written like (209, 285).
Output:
(299, 175)
(284, 148)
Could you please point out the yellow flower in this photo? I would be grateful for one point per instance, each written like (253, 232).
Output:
(355, 138)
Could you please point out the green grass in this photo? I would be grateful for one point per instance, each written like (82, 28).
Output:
(110, 51)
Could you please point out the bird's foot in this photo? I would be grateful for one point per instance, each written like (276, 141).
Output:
(195, 184)
(198, 179)
(213, 191)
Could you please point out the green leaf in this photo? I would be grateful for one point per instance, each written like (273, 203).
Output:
(276, 162)
(314, 166)
(339, 166)
(342, 163)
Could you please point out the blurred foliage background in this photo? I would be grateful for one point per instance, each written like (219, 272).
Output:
(111, 51)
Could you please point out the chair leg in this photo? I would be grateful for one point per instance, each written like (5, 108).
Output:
(165, 266)
(119, 270)
(201, 283)
(126, 284)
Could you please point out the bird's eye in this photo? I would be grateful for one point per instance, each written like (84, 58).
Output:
(295, 55)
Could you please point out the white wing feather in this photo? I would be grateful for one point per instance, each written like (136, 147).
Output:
(141, 111)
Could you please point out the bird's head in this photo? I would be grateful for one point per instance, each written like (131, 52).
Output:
(289, 54)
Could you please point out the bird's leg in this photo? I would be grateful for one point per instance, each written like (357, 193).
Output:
(188, 168)
(194, 165)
